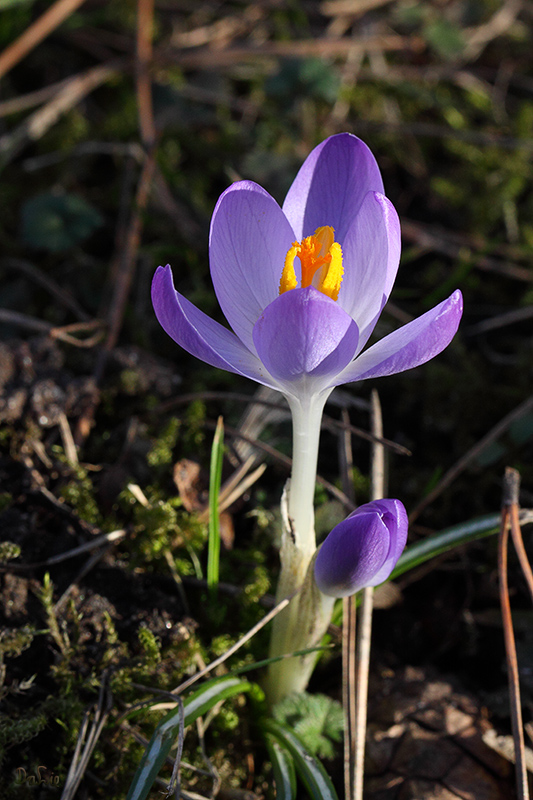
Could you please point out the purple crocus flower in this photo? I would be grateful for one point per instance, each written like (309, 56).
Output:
(363, 549)
(302, 286)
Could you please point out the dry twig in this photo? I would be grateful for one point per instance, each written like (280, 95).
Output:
(509, 502)
(233, 649)
(145, 23)
(348, 624)
(304, 48)
(81, 757)
(36, 125)
(33, 35)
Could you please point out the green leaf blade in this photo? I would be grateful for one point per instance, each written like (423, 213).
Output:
(159, 746)
(283, 769)
(311, 772)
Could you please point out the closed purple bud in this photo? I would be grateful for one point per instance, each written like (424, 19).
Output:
(363, 549)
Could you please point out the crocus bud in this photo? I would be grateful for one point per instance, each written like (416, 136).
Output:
(363, 549)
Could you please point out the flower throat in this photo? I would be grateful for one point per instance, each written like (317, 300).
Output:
(321, 259)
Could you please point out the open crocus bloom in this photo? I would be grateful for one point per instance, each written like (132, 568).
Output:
(363, 549)
(302, 286)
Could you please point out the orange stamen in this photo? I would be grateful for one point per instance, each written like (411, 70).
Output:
(321, 260)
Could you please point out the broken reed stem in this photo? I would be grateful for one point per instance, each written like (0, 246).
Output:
(348, 690)
(349, 616)
(361, 699)
(377, 488)
(509, 507)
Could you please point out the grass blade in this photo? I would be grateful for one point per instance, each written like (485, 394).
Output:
(439, 543)
(215, 477)
(283, 769)
(311, 772)
(165, 734)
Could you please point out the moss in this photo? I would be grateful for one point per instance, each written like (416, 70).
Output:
(79, 491)
(160, 453)
(151, 646)
(9, 551)
(13, 641)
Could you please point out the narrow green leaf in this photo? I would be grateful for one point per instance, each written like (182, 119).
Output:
(311, 772)
(439, 543)
(435, 545)
(165, 734)
(204, 698)
(215, 477)
(283, 769)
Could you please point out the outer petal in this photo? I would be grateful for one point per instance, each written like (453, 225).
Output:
(331, 185)
(352, 554)
(249, 239)
(394, 516)
(199, 334)
(409, 346)
(371, 254)
(305, 333)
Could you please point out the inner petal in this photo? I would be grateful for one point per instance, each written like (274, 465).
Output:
(304, 333)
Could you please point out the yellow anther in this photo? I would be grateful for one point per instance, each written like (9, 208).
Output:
(288, 276)
(331, 282)
(321, 263)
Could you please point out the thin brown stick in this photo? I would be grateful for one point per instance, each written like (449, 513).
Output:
(125, 275)
(233, 649)
(63, 333)
(36, 124)
(145, 25)
(349, 616)
(25, 101)
(348, 690)
(439, 240)
(285, 460)
(39, 277)
(122, 286)
(510, 500)
(352, 8)
(518, 542)
(40, 29)
(302, 48)
(328, 422)
(478, 38)
(377, 487)
(81, 758)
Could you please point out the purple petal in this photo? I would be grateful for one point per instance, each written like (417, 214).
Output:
(331, 185)
(409, 346)
(394, 516)
(363, 549)
(305, 333)
(351, 555)
(199, 334)
(371, 254)
(249, 239)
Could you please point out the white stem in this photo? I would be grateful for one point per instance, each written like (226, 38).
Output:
(306, 422)
(297, 626)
